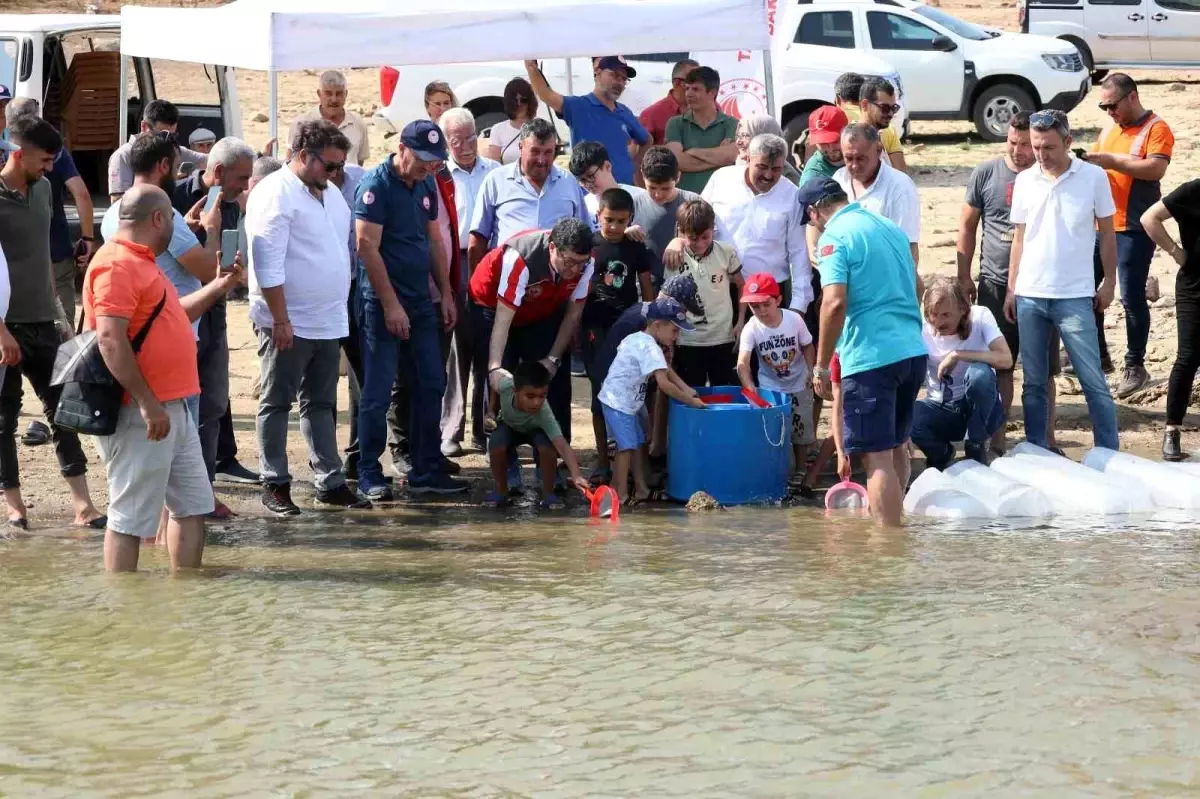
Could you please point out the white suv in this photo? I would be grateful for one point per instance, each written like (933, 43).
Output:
(1121, 34)
(951, 69)
(799, 87)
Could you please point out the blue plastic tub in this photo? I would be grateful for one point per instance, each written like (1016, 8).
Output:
(736, 452)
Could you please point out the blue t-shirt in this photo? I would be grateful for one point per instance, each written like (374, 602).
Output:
(403, 212)
(871, 257)
(60, 235)
(590, 120)
(182, 240)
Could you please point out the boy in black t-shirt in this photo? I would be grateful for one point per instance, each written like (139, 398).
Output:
(622, 268)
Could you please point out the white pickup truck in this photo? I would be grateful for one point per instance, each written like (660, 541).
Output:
(70, 63)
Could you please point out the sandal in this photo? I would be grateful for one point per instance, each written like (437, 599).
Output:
(553, 502)
(496, 500)
(20, 524)
(98, 523)
(36, 434)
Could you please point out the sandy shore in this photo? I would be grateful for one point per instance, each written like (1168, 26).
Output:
(940, 155)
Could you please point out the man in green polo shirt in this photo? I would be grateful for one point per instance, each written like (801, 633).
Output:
(702, 138)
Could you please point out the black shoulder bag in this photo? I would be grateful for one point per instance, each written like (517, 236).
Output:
(91, 397)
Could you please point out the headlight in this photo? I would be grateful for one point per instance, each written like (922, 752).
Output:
(1062, 63)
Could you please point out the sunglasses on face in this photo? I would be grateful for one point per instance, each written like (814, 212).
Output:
(168, 135)
(1107, 107)
(330, 168)
(887, 108)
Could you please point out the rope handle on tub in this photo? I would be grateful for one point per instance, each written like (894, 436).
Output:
(783, 420)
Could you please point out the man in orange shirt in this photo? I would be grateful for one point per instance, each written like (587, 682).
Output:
(154, 456)
(1135, 150)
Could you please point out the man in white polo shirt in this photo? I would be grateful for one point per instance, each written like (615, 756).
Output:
(1057, 207)
(331, 107)
(869, 180)
(758, 214)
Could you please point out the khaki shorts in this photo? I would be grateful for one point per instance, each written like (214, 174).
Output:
(802, 417)
(144, 475)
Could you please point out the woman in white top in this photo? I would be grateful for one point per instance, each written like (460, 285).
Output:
(520, 106)
(961, 398)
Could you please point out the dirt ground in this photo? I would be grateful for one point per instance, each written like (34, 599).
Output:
(941, 156)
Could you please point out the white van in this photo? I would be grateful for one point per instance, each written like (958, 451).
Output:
(799, 87)
(1121, 34)
(951, 69)
(70, 63)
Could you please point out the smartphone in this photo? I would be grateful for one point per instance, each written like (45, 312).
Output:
(186, 168)
(229, 248)
(214, 195)
(1080, 153)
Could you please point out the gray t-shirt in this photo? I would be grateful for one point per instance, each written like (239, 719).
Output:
(659, 223)
(25, 237)
(990, 189)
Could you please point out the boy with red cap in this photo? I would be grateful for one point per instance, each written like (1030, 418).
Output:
(785, 357)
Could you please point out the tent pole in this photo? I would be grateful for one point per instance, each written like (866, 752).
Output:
(123, 102)
(273, 130)
(570, 79)
(769, 79)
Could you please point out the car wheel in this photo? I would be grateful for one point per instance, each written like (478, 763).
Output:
(995, 108)
(794, 131)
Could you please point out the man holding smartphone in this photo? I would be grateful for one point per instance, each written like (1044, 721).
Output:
(221, 183)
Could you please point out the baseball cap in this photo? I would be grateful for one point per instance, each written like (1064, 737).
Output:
(683, 289)
(6, 95)
(759, 287)
(815, 191)
(669, 310)
(826, 123)
(616, 62)
(425, 139)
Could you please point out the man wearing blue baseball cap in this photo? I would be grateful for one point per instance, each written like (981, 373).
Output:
(870, 315)
(402, 260)
(598, 116)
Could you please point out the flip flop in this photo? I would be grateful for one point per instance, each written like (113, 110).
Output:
(98, 523)
(496, 500)
(20, 524)
(553, 502)
(36, 434)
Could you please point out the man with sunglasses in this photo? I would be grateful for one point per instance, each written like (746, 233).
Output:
(296, 228)
(161, 118)
(877, 102)
(654, 117)
(1134, 149)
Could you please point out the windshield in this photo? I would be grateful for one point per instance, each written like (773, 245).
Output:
(967, 30)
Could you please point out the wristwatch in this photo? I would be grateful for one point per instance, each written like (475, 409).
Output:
(554, 359)
(822, 373)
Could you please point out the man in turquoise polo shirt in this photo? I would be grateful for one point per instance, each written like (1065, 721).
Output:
(870, 316)
(702, 137)
(598, 116)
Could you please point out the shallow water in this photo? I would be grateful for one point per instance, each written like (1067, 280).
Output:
(747, 653)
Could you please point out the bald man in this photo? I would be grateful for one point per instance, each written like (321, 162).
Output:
(154, 458)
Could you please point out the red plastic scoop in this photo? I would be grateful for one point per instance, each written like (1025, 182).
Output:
(605, 503)
(717, 399)
(754, 399)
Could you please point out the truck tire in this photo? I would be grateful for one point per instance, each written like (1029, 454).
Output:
(1089, 61)
(794, 132)
(996, 106)
(484, 121)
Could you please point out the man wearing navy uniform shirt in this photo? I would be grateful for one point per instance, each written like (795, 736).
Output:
(598, 116)
(399, 247)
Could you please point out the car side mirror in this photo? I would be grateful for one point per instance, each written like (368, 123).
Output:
(944, 44)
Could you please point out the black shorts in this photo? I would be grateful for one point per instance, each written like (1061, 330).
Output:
(715, 365)
(991, 296)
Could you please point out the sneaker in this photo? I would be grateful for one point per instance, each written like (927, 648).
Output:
(450, 467)
(401, 467)
(278, 500)
(578, 369)
(375, 493)
(343, 497)
(1172, 448)
(1106, 364)
(451, 449)
(233, 472)
(976, 452)
(438, 484)
(1133, 381)
(220, 511)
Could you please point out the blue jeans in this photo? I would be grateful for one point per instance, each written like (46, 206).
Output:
(1135, 250)
(419, 356)
(977, 415)
(1037, 319)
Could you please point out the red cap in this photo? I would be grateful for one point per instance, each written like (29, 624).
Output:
(825, 124)
(759, 287)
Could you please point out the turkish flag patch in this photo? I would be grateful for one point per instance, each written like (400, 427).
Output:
(826, 251)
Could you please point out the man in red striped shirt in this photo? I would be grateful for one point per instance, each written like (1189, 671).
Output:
(527, 299)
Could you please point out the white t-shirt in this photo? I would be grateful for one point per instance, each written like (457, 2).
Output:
(638, 357)
(781, 364)
(504, 135)
(713, 274)
(1060, 216)
(983, 332)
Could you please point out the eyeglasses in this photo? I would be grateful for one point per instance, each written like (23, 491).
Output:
(887, 108)
(168, 135)
(589, 177)
(454, 141)
(330, 169)
(1108, 107)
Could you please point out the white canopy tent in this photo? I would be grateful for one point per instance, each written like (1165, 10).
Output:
(276, 35)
